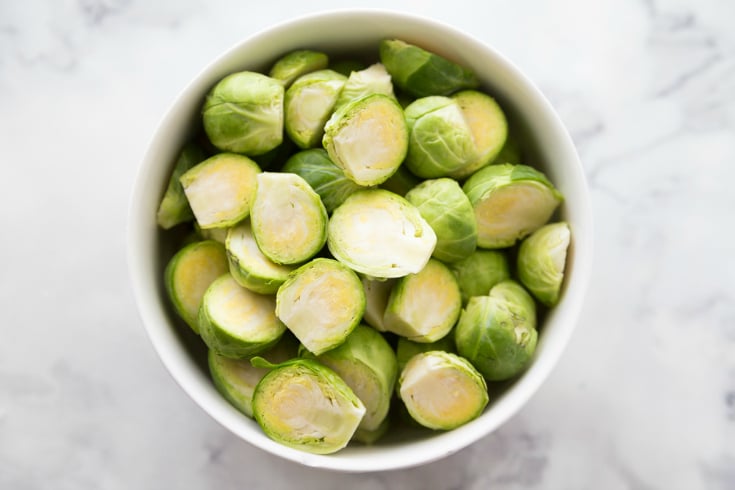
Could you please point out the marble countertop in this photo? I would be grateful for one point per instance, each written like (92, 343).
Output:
(644, 397)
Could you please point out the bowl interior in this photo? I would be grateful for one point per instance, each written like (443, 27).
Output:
(351, 33)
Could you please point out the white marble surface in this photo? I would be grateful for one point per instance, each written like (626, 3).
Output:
(645, 395)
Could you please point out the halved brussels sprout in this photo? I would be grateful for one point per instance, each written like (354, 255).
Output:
(248, 266)
(288, 218)
(367, 363)
(236, 322)
(541, 260)
(401, 181)
(489, 128)
(297, 63)
(421, 73)
(367, 138)
(510, 202)
(307, 406)
(380, 234)
(174, 207)
(442, 390)
(424, 307)
(236, 379)
(321, 303)
(406, 349)
(326, 178)
(243, 113)
(497, 333)
(440, 140)
(220, 189)
(479, 272)
(188, 275)
(377, 292)
(309, 102)
(372, 80)
(449, 212)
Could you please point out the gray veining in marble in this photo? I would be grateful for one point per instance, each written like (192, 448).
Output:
(645, 395)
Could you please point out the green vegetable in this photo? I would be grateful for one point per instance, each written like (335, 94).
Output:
(174, 208)
(497, 333)
(321, 303)
(372, 80)
(380, 234)
(188, 275)
(422, 73)
(287, 200)
(406, 349)
(401, 182)
(367, 138)
(510, 202)
(220, 189)
(541, 260)
(307, 406)
(441, 390)
(243, 113)
(327, 179)
(449, 212)
(297, 63)
(345, 67)
(377, 293)
(479, 272)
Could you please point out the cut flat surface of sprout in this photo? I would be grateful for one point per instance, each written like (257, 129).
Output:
(367, 138)
(297, 63)
(244, 113)
(305, 405)
(424, 307)
(321, 303)
(441, 390)
(541, 260)
(377, 292)
(367, 363)
(248, 266)
(510, 202)
(236, 322)
(288, 218)
(497, 333)
(449, 212)
(479, 272)
(174, 207)
(380, 234)
(188, 275)
(220, 189)
(309, 102)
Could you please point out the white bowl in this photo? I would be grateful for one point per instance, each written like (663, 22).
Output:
(346, 32)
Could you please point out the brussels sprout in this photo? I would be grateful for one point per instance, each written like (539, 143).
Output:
(188, 275)
(401, 182)
(309, 102)
(236, 379)
(377, 292)
(321, 303)
(174, 208)
(367, 138)
(217, 234)
(421, 73)
(248, 266)
(497, 333)
(479, 272)
(345, 67)
(541, 260)
(220, 189)
(441, 390)
(305, 405)
(288, 218)
(380, 234)
(448, 211)
(236, 322)
(489, 128)
(424, 307)
(244, 113)
(326, 178)
(297, 63)
(440, 140)
(372, 80)
(510, 202)
(367, 363)
(406, 349)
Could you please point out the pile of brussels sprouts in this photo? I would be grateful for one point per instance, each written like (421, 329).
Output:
(367, 248)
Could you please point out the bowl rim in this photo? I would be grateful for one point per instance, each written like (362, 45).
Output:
(438, 445)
